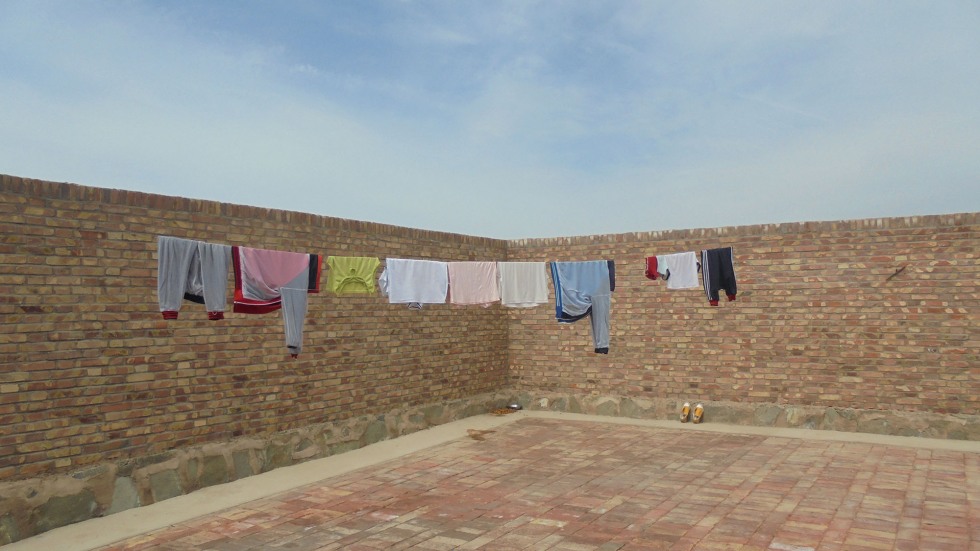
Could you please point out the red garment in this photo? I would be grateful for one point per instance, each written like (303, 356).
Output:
(261, 274)
(651, 272)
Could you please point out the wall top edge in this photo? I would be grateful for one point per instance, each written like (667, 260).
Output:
(76, 192)
(860, 224)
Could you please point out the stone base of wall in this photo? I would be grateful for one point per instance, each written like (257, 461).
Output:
(898, 423)
(30, 507)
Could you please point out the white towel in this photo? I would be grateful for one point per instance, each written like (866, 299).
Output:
(414, 281)
(523, 284)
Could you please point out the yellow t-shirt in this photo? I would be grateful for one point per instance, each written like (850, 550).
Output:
(351, 274)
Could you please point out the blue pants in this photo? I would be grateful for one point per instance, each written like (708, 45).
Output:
(585, 289)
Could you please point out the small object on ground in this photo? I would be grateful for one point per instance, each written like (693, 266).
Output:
(478, 434)
(685, 412)
(698, 413)
(511, 408)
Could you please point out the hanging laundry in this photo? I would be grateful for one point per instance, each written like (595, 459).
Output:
(718, 273)
(653, 269)
(680, 270)
(414, 282)
(585, 289)
(351, 274)
(271, 280)
(523, 284)
(194, 271)
(473, 283)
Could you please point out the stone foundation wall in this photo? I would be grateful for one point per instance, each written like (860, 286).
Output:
(32, 506)
(890, 422)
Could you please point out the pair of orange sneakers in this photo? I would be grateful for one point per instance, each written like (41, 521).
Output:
(686, 413)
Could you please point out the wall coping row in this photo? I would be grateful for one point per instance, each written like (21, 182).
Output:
(76, 192)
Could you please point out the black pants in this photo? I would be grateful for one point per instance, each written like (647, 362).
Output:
(718, 272)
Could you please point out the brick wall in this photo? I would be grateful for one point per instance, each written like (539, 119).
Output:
(91, 373)
(876, 314)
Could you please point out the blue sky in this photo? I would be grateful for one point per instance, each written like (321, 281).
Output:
(504, 119)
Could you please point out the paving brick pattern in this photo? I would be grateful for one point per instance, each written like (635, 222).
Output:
(574, 486)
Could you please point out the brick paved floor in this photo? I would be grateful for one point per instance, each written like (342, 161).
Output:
(546, 484)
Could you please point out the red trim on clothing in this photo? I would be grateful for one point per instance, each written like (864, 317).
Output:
(247, 306)
(319, 270)
(236, 264)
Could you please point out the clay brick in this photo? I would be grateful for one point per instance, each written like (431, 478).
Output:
(873, 313)
(678, 331)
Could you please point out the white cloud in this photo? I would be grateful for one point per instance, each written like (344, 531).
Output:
(509, 119)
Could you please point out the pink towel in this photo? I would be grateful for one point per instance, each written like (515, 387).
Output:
(473, 283)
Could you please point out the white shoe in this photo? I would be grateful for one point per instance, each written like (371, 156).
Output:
(698, 413)
(685, 412)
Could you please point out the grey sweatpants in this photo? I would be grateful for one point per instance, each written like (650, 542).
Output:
(194, 271)
(294, 305)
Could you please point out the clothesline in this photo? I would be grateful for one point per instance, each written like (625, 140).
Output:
(267, 280)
